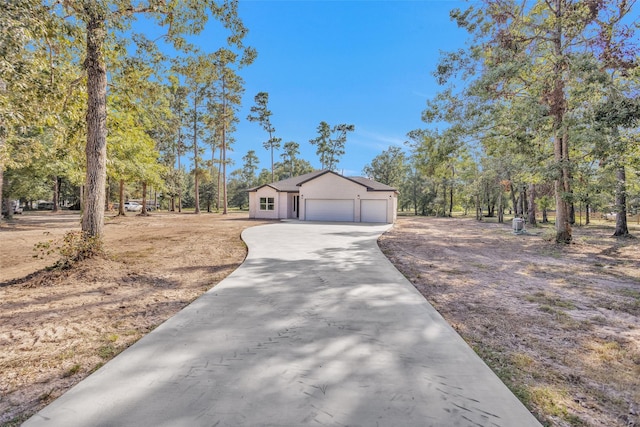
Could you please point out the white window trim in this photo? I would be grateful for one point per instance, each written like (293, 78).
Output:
(267, 204)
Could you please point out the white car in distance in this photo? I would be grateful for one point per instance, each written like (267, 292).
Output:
(132, 206)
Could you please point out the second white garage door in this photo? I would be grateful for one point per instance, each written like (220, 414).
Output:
(373, 210)
(329, 210)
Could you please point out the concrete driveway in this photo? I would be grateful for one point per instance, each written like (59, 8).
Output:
(315, 328)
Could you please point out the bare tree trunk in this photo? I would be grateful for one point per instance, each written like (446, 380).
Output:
(453, 178)
(224, 170)
(587, 213)
(500, 208)
(179, 173)
(562, 188)
(196, 182)
(621, 202)
(224, 149)
(121, 211)
(6, 202)
(82, 198)
(1, 179)
(56, 194)
(558, 108)
(572, 213)
(96, 149)
(444, 197)
(512, 191)
(144, 200)
(532, 204)
(219, 198)
(414, 187)
(3, 88)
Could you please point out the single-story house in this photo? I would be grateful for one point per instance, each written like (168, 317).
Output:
(325, 196)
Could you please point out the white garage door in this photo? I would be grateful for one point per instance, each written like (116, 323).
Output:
(373, 211)
(328, 210)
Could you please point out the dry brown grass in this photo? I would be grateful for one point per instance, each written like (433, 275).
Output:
(559, 324)
(56, 327)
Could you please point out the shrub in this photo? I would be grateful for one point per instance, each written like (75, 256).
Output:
(73, 247)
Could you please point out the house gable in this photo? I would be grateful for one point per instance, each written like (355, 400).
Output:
(330, 186)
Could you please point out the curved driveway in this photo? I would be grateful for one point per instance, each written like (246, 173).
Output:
(315, 328)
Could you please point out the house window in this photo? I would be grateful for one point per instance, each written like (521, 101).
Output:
(267, 204)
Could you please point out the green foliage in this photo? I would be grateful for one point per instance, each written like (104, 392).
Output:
(330, 143)
(389, 167)
(547, 92)
(289, 158)
(260, 113)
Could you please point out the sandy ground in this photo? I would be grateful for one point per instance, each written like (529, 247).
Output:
(56, 327)
(559, 324)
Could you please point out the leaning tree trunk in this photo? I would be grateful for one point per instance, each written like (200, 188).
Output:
(96, 148)
(532, 204)
(621, 202)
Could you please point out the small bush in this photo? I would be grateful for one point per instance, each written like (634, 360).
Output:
(73, 247)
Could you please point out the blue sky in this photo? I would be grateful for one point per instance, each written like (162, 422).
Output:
(366, 63)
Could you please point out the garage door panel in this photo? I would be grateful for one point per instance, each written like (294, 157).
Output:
(374, 210)
(329, 210)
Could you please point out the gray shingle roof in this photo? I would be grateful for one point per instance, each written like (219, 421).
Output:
(292, 185)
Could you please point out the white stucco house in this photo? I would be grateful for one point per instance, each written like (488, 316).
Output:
(325, 196)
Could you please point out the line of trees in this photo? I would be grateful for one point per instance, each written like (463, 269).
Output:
(544, 103)
(87, 101)
(540, 112)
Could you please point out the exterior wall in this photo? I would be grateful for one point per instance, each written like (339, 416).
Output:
(325, 187)
(392, 202)
(330, 186)
(394, 207)
(254, 203)
(283, 205)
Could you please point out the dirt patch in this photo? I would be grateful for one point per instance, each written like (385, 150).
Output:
(56, 327)
(559, 324)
